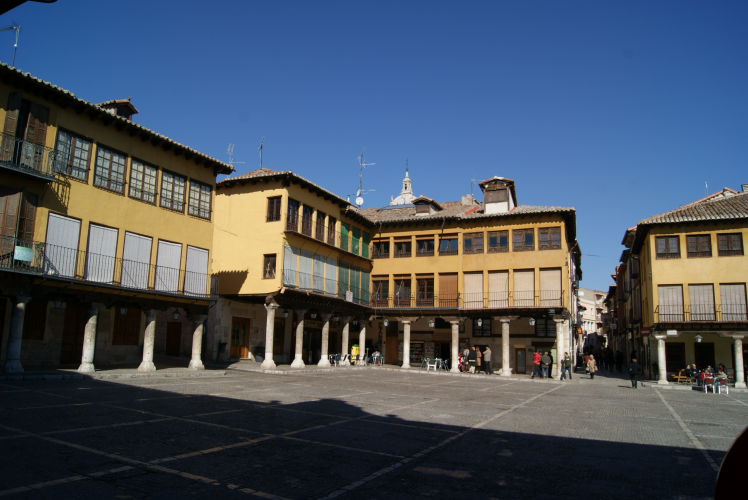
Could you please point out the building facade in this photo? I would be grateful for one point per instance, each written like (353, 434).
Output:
(304, 274)
(107, 233)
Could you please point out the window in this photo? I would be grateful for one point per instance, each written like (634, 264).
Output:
(268, 267)
(381, 250)
(733, 302)
(292, 222)
(496, 196)
(126, 326)
(448, 245)
(670, 307)
(196, 272)
(482, 330)
(172, 191)
(381, 292)
(473, 243)
(331, 222)
(402, 292)
(699, 246)
(110, 170)
(319, 231)
(199, 204)
(425, 248)
(523, 240)
(355, 240)
(34, 320)
(701, 298)
(425, 292)
(498, 241)
(422, 208)
(549, 238)
(143, 181)
(274, 209)
(306, 220)
(667, 247)
(545, 327)
(72, 154)
(730, 244)
(402, 248)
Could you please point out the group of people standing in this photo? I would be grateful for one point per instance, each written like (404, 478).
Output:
(473, 360)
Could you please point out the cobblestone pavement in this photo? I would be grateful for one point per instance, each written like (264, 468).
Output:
(361, 434)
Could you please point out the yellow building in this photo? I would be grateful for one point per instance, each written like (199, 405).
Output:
(107, 232)
(692, 272)
(417, 280)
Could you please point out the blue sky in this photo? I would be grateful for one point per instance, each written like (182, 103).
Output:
(619, 109)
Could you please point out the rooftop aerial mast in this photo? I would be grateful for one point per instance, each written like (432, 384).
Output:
(17, 28)
(361, 191)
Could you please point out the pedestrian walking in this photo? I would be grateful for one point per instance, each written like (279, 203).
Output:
(545, 360)
(487, 361)
(592, 366)
(566, 363)
(472, 359)
(536, 365)
(633, 371)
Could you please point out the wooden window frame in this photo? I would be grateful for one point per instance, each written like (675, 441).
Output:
(379, 254)
(380, 292)
(667, 254)
(269, 258)
(423, 208)
(454, 251)
(498, 248)
(545, 325)
(68, 170)
(549, 232)
(133, 183)
(524, 247)
(472, 237)
(403, 254)
(425, 253)
(319, 226)
(170, 198)
(427, 300)
(122, 333)
(107, 181)
(697, 240)
(729, 252)
(331, 223)
(274, 209)
(307, 217)
(484, 330)
(199, 210)
(500, 195)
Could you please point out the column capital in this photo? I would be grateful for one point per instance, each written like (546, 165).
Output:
(94, 307)
(199, 318)
(660, 336)
(326, 316)
(732, 335)
(346, 319)
(271, 305)
(506, 319)
(300, 314)
(407, 320)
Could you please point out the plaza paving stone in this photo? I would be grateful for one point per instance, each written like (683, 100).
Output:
(361, 434)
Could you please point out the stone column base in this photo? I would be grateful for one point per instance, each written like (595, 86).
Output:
(454, 370)
(268, 364)
(86, 368)
(663, 382)
(405, 367)
(147, 366)
(740, 385)
(324, 362)
(297, 363)
(196, 364)
(15, 366)
(505, 372)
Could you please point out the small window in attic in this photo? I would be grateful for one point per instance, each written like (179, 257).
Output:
(497, 196)
(422, 208)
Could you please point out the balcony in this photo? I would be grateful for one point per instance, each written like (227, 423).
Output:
(323, 286)
(77, 265)
(471, 301)
(28, 158)
(721, 313)
(327, 235)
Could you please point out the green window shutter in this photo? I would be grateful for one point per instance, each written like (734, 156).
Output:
(356, 241)
(365, 245)
(355, 283)
(344, 236)
(365, 279)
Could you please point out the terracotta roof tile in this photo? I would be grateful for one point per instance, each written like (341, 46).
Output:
(725, 204)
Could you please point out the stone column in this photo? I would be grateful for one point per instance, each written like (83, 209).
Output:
(323, 359)
(506, 369)
(455, 346)
(362, 340)
(15, 336)
(196, 363)
(739, 373)
(560, 345)
(149, 338)
(268, 363)
(406, 345)
(298, 362)
(344, 339)
(89, 338)
(661, 359)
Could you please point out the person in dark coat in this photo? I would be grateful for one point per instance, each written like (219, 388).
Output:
(633, 371)
(550, 367)
(472, 359)
(545, 359)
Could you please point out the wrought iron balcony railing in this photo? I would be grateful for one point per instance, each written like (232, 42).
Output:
(457, 300)
(720, 313)
(56, 261)
(327, 234)
(26, 156)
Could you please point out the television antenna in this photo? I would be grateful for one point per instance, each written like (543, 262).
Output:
(473, 182)
(361, 191)
(230, 152)
(17, 29)
(260, 150)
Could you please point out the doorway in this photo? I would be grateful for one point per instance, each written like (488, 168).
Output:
(71, 349)
(239, 338)
(704, 354)
(279, 333)
(173, 338)
(312, 345)
(520, 360)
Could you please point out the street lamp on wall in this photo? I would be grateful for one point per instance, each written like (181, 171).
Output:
(386, 322)
(699, 338)
(176, 314)
(431, 323)
(285, 313)
(532, 321)
(480, 322)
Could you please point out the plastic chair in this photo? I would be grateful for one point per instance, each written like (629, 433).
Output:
(445, 365)
(720, 384)
(431, 363)
(336, 363)
(709, 382)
